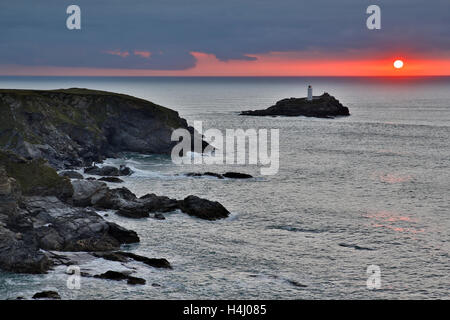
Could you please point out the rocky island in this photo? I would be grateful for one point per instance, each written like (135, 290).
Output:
(43, 212)
(324, 106)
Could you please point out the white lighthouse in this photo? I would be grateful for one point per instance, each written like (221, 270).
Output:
(310, 95)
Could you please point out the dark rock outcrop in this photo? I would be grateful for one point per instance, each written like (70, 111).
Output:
(88, 192)
(74, 127)
(108, 171)
(324, 106)
(118, 276)
(21, 255)
(203, 209)
(98, 195)
(105, 171)
(112, 275)
(47, 295)
(71, 175)
(128, 205)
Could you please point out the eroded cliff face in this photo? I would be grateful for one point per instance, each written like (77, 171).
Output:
(74, 127)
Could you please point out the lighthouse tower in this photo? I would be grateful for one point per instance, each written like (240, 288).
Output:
(310, 95)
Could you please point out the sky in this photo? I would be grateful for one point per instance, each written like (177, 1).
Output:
(224, 38)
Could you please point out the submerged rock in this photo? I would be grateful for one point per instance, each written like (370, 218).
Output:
(159, 216)
(354, 246)
(152, 262)
(125, 171)
(296, 284)
(229, 175)
(111, 179)
(122, 256)
(210, 174)
(324, 106)
(237, 175)
(133, 213)
(111, 256)
(134, 281)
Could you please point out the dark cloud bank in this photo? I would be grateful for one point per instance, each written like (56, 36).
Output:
(34, 32)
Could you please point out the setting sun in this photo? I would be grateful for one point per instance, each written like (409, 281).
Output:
(398, 64)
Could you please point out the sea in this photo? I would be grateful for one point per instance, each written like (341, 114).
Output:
(359, 208)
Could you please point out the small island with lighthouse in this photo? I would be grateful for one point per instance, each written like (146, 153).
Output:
(323, 106)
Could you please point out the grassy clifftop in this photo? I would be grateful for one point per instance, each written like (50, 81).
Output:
(166, 114)
(35, 177)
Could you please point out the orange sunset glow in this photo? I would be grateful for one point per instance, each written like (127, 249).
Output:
(271, 64)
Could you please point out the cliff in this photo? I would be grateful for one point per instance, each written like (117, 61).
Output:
(324, 106)
(73, 127)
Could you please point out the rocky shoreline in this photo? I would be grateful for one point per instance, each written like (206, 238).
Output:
(43, 212)
(324, 106)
